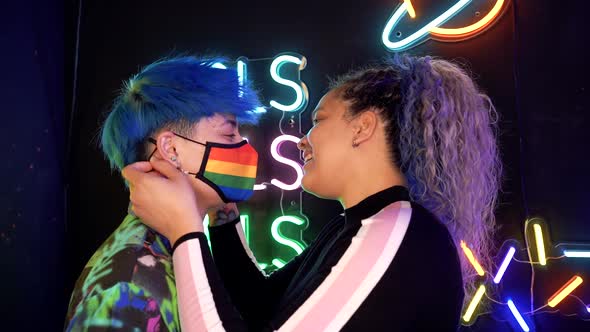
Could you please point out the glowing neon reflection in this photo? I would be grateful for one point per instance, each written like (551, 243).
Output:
(300, 90)
(418, 35)
(280, 238)
(472, 259)
(279, 263)
(474, 302)
(518, 316)
(504, 265)
(244, 220)
(274, 150)
(540, 244)
(410, 8)
(259, 187)
(564, 291)
(471, 29)
(242, 69)
(218, 65)
(576, 254)
(242, 72)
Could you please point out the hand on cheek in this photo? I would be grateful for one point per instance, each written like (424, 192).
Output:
(163, 198)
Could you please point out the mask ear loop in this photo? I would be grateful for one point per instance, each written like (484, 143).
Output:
(188, 139)
(151, 140)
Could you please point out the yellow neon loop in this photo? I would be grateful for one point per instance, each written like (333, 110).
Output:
(472, 259)
(471, 29)
(433, 28)
(540, 244)
(410, 8)
(474, 302)
(564, 291)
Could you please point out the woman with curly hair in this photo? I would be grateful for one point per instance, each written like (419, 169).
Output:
(409, 150)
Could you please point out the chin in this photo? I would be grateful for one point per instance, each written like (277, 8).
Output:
(312, 187)
(323, 187)
(307, 184)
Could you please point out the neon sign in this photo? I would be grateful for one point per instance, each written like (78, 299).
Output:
(433, 28)
(518, 316)
(280, 238)
(285, 70)
(274, 150)
(538, 251)
(301, 92)
(296, 85)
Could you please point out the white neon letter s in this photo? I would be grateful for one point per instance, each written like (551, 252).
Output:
(301, 93)
(274, 150)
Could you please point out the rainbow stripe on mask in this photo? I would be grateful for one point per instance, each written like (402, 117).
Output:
(233, 171)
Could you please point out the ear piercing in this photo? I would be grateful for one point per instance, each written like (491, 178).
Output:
(355, 144)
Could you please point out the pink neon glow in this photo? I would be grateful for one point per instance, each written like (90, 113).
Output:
(259, 187)
(274, 150)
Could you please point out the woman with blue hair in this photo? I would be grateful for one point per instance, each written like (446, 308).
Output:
(409, 150)
(169, 109)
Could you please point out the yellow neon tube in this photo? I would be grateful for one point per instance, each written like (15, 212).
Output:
(564, 291)
(472, 259)
(471, 29)
(474, 302)
(540, 244)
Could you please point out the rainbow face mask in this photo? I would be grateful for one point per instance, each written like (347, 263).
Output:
(230, 169)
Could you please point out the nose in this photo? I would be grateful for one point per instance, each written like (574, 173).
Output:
(302, 143)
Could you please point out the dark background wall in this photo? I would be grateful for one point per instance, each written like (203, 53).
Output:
(531, 63)
(32, 138)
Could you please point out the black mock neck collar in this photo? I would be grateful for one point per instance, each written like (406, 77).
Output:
(375, 203)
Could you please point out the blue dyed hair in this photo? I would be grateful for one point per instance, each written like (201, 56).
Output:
(172, 93)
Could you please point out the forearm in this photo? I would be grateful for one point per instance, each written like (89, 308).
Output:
(202, 300)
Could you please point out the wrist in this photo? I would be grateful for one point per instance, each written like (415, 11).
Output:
(184, 227)
(223, 214)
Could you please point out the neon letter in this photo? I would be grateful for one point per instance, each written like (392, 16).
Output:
(301, 94)
(274, 150)
(280, 238)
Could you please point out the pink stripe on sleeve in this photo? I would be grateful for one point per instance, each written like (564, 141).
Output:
(356, 274)
(195, 301)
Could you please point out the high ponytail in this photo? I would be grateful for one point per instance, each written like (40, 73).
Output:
(442, 131)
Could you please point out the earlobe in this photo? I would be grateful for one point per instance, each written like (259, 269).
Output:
(167, 148)
(365, 127)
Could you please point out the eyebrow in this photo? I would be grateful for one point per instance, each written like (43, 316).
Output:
(315, 112)
(231, 122)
